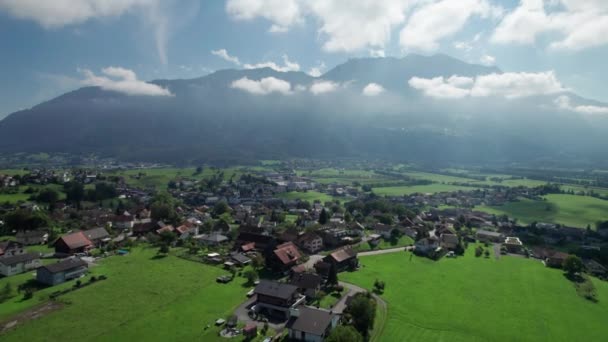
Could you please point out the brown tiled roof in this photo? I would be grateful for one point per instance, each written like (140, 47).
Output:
(75, 240)
(287, 253)
(343, 254)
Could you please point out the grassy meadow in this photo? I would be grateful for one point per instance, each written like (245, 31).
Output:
(144, 298)
(407, 190)
(479, 299)
(310, 196)
(570, 210)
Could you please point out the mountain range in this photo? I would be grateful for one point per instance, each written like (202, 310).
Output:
(210, 119)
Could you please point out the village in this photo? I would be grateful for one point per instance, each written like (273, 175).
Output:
(291, 251)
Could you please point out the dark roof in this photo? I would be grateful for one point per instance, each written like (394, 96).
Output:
(306, 280)
(311, 321)
(144, 227)
(276, 290)
(8, 244)
(488, 233)
(30, 233)
(215, 237)
(19, 258)
(343, 254)
(240, 258)
(96, 233)
(65, 265)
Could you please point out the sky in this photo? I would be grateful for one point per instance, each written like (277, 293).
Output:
(48, 48)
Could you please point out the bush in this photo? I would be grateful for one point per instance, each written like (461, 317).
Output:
(93, 279)
(478, 251)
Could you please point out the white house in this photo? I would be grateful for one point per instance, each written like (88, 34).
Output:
(15, 264)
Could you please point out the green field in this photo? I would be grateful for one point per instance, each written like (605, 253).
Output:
(479, 299)
(386, 244)
(144, 298)
(310, 196)
(570, 210)
(159, 178)
(407, 190)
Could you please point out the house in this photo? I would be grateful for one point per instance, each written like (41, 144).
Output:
(123, 222)
(186, 230)
(595, 268)
(15, 264)
(384, 230)
(72, 243)
(262, 243)
(143, 228)
(276, 299)
(513, 244)
(343, 258)
(407, 231)
(9, 247)
(165, 228)
(62, 271)
(285, 256)
(489, 236)
(98, 236)
(556, 259)
(311, 242)
(427, 247)
(448, 241)
(308, 284)
(213, 239)
(32, 237)
(240, 259)
(310, 324)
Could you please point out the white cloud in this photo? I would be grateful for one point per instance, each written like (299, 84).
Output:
(377, 53)
(264, 86)
(58, 13)
(577, 24)
(507, 85)
(223, 54)
(441, 19)
(345, 26)
(487, 60)
(123, 81)
(373, 89)
(323, 87)
(317, 71)
(288, 65)
(465, 46)
(283, 13)
(563, 102)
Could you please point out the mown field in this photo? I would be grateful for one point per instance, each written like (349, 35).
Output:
(479, 299)
(159, 178)
(310, 196)
(144, 298)
(570, 210)
(407, 190)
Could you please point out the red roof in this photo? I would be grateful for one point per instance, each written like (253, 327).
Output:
(167, 228)
(248, 247)
(288, 253)
(76, 240)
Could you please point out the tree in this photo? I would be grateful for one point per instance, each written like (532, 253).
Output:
(573, 264)
(74, 192)
(344, 333)
(220, 207)
(48, 195)
(257, 261)
(251, 276)
(379, 286)
(332, 277)
(5, 293)
(164, 249)
(362, 309)
(323, 217)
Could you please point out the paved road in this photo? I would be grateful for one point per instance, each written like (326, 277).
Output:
(386, 251)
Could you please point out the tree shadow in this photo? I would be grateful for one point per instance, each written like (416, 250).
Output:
(158, 256)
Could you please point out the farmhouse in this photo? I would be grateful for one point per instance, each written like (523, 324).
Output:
(32, 237)
(285, 256)
(449, 241)
(427, 247)
(489, 236)
(308, 284)
(311, 242)
(15, 264)
(513, 244)
(343, 258)
(72, 243)
(276, 299)
(98, 236)
(310, 324)
(9, 247)
(384, 230)
(61, 271)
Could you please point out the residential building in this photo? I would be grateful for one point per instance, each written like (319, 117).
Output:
(308, 284)
(32, 237)
(276, 299)
(310, 324)
(97, 236)
(343, 258)
(62, 271)
(489, 236)
(449, 241)
(73, 243)
(311, 242)
(19, 263)
(513, 244)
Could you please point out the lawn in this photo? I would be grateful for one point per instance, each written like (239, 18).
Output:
(144, 298)
(159, 178)
(407, 190)
(570, 210)
(310, 196)
(479, 299)
(386, 244)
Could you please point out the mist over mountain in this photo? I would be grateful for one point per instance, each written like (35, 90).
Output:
(216, 118)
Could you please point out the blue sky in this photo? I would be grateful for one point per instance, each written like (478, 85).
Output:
(49, 48)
